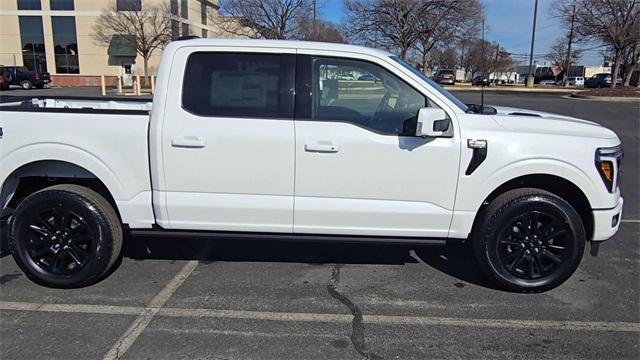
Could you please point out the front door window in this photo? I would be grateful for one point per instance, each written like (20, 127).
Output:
(365, 95)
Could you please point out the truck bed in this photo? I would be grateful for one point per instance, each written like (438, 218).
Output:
(107, 138)
(79, 104)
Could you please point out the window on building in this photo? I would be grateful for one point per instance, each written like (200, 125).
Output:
(203, 17)
(29, 5)
(61, 4)
(32, 39)
(175, 24)
(239, 85)
(364, 94)
(65, 44)
(129, 5)
(184, 13)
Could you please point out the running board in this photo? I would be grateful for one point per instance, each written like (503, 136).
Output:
(287, 237)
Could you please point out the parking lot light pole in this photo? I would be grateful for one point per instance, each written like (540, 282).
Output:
(530, 78)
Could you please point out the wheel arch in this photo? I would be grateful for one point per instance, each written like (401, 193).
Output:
(557, 185)
(37, 175)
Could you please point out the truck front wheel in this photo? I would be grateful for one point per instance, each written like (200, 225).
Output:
(529, 240)
(65, 236)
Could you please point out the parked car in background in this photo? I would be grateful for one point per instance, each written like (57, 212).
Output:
(4, 85)
(445, 76)
(25, 78)
(367, 77)
(480, 80)
(547, 82)
(600, 81)
(575, 81)
(346, 77)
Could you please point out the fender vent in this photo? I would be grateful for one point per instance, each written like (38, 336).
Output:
(524, 114)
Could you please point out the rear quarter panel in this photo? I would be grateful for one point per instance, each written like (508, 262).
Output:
(111, 146)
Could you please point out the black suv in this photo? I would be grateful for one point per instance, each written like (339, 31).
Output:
(480, 80)
(600, 81)
(20, 75)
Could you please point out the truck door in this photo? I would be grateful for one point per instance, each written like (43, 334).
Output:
(228, 143)
(360, 169)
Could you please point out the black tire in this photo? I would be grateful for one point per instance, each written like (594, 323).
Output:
(26, 84)
(65, 236)
(39, 86)
(529, 240)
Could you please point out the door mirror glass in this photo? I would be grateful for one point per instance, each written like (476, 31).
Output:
(432, 122)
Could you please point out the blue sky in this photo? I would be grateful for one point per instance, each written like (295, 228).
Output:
(508, 22)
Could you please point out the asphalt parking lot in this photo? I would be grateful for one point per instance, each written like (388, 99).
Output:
(195, 299)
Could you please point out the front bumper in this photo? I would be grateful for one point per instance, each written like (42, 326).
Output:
(606, 222)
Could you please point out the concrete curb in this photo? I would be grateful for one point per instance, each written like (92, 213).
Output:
(514, 90)
(605, 98)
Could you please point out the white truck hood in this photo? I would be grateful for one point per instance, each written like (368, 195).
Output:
(523, 120)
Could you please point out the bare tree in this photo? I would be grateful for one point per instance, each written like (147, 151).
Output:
(390, 24)
(444, 22)
(148, 30)
(629, 61)
(444, 57)
(465, 48)
(557, 54)
(486, 57)
(260, 19)
(318, 30)
(613, 23)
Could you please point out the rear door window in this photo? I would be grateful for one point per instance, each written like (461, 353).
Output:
(239, 85)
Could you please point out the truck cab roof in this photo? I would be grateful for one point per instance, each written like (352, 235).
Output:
(293, 44)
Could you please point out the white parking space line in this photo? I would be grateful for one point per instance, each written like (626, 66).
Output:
(124, 343)
(630, 221)
(320, 317)
(406, 320)
(72, 308)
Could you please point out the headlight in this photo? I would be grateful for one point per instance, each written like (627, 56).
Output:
(609, 165)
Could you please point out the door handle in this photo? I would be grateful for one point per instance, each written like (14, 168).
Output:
(322, 147)
(192, 142)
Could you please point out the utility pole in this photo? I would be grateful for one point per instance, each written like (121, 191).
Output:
(530, 78)
(484, 72)
(315, 29)
(495, 73)
(568, 62)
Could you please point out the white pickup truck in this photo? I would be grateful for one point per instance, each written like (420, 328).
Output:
(266, 139)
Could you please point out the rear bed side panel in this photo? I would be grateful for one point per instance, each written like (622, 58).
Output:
(112, 147)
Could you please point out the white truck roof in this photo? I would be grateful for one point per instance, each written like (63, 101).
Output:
(294, 44)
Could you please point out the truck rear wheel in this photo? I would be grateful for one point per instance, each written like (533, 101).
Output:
(529, 240)
(65, 236)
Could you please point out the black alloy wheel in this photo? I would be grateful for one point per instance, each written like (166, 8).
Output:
(532, 245)
(65, 236)
(529, 240)
(58, 240)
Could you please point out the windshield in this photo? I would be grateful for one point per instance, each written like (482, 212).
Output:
(433, 84)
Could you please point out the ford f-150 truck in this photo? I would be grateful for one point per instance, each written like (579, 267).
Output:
(263, 139)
